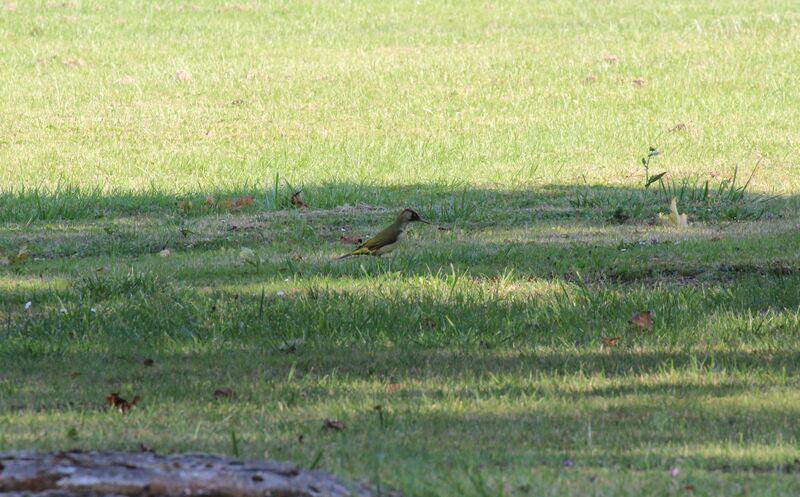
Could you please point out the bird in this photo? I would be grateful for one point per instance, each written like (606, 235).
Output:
(388, 239)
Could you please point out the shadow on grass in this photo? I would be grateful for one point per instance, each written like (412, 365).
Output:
(443, 202)
(638, 420)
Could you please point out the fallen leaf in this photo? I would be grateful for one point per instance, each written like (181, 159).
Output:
(185, 206)
(680, 220)
(21, 256)
(223, 393)
(243, 201)
(165, 253)
(74, 63)
(297, 201)
(148, 362)
(642, 319)
(350, 241)
(114, 401)
(332, 425)
(209, 201)
(639, 83)
(183, 75)
(609, 341)
(290, 346)
(679, 127)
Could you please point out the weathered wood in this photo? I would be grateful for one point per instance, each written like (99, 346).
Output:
(145, 474)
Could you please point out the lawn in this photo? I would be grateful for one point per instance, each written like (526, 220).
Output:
(149, 245)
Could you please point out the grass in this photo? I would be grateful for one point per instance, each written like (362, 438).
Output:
(472, 361)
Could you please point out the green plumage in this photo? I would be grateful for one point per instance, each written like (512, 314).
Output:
(387, 239)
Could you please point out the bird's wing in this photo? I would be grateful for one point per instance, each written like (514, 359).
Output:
(385, 237)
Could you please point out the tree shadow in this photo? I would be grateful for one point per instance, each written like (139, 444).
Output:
(444, 202)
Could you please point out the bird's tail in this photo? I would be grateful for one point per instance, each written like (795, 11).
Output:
(359, 251)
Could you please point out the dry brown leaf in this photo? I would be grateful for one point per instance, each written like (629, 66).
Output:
(209, 201)
(223, 393)
(185, 205)
(74, 63)
(183, 75)
(21, 257)
(350, 241)
(114, 401)
(243, 201)
(679, 127)
(291, 346)
(679, 220)
(639, 83)
(332, 425)
(297, 201)
(609, 341)
(642, 319)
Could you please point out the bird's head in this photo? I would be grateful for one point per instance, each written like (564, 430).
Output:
(410, 216)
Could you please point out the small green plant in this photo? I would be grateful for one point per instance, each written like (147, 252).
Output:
(649, 180)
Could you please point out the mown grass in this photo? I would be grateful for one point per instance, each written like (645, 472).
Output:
(472, 362)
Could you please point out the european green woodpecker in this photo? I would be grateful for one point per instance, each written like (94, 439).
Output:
(388, 239)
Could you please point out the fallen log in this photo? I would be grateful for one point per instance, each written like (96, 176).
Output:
(146, 474)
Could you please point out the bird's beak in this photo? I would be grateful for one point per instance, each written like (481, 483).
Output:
(423, 221)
